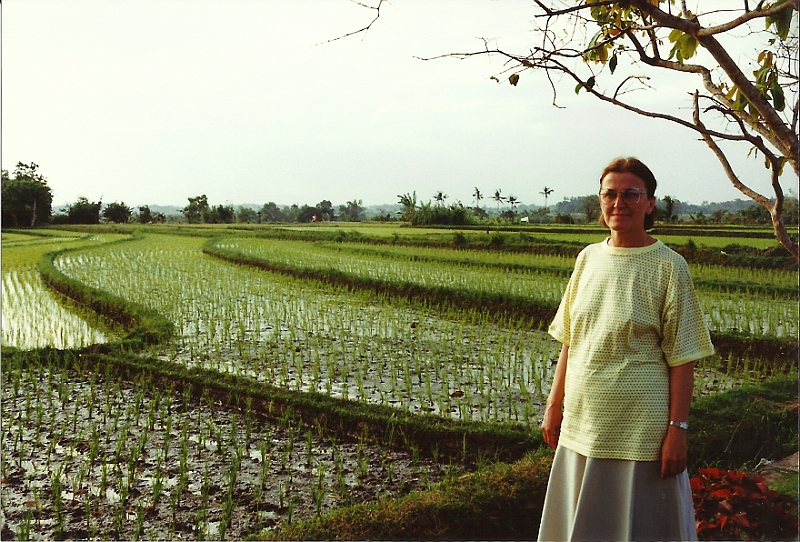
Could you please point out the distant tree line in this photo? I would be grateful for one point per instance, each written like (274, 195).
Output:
(27, 201)
(672, 210)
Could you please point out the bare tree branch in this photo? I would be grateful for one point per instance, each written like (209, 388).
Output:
(784, 139)
(550, 13)
(747, 17)
(366, 28)
(775, 209)
(746, 105)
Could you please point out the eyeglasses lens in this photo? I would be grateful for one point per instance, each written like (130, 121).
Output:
(630, 196)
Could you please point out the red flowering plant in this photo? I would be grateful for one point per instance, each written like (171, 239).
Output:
(731, 505)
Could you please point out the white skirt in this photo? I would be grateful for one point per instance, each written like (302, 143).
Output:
(615, 499)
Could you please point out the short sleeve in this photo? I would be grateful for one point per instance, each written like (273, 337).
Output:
(560, 326)
(685, 336)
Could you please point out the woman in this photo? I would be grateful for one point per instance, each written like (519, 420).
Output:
(631, 330)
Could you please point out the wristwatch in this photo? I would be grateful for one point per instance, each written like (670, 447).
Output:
(682, 425)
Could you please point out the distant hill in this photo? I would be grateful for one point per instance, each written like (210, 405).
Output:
(573, 205)
(166, 209)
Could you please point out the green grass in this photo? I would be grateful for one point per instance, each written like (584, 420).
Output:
(786, 483)
(739, 427)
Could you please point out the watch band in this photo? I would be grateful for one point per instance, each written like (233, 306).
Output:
(682, 425)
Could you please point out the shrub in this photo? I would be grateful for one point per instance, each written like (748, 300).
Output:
(730, 505)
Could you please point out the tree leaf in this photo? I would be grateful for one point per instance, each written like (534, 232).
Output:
(513, 79)
(612, 64)
(784, 23)
(778, 98)
(675, 35)
(689, 46)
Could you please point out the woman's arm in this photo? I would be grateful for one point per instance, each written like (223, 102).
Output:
(673, 449)
(551, 422)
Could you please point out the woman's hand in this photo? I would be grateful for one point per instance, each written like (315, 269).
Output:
(673, 452)
(551, 422)
(673, 449)
(551, 425)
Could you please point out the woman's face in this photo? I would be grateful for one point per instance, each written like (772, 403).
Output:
(620, 216)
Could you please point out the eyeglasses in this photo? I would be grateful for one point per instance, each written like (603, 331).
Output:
(631, 196)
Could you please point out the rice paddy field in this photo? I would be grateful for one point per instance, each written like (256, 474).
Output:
(95, 453)
(34, 317)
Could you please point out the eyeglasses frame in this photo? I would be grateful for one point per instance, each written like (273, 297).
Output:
(607, 201)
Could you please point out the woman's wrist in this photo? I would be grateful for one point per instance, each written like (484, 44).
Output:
(553, 402)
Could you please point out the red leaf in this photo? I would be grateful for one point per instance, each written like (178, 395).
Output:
(741, 519)
(736, 477)
(722, 493)
(696, 483)
(725, 506)
(704, 525)
(712, 473)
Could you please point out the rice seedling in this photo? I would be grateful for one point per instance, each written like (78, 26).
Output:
(524, 282)
(34, 317)
(105, 482)
(299, 334)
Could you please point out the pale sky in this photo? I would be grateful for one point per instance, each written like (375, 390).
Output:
(246, 101)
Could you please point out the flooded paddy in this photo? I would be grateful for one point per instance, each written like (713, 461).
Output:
(309, 336)
(87, 458)
(32, 315)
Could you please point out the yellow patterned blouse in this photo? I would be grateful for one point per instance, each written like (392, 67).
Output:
(627, 314)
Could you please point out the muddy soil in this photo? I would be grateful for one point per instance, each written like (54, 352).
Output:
(86, 458)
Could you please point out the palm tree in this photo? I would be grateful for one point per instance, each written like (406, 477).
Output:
(440, 197)
(478, 197)
(409, 203)
(512, 201)
(546, 192)
(498, 198)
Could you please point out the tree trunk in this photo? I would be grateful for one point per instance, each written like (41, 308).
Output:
(783, 235)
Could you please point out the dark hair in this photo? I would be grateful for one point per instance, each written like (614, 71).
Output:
(635, 167)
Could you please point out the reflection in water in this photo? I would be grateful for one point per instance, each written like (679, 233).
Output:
(33, 318)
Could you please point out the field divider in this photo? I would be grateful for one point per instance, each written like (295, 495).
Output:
(540, 313)
(142, 325)
(489, 302)
(499, 502)
(784, 292)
